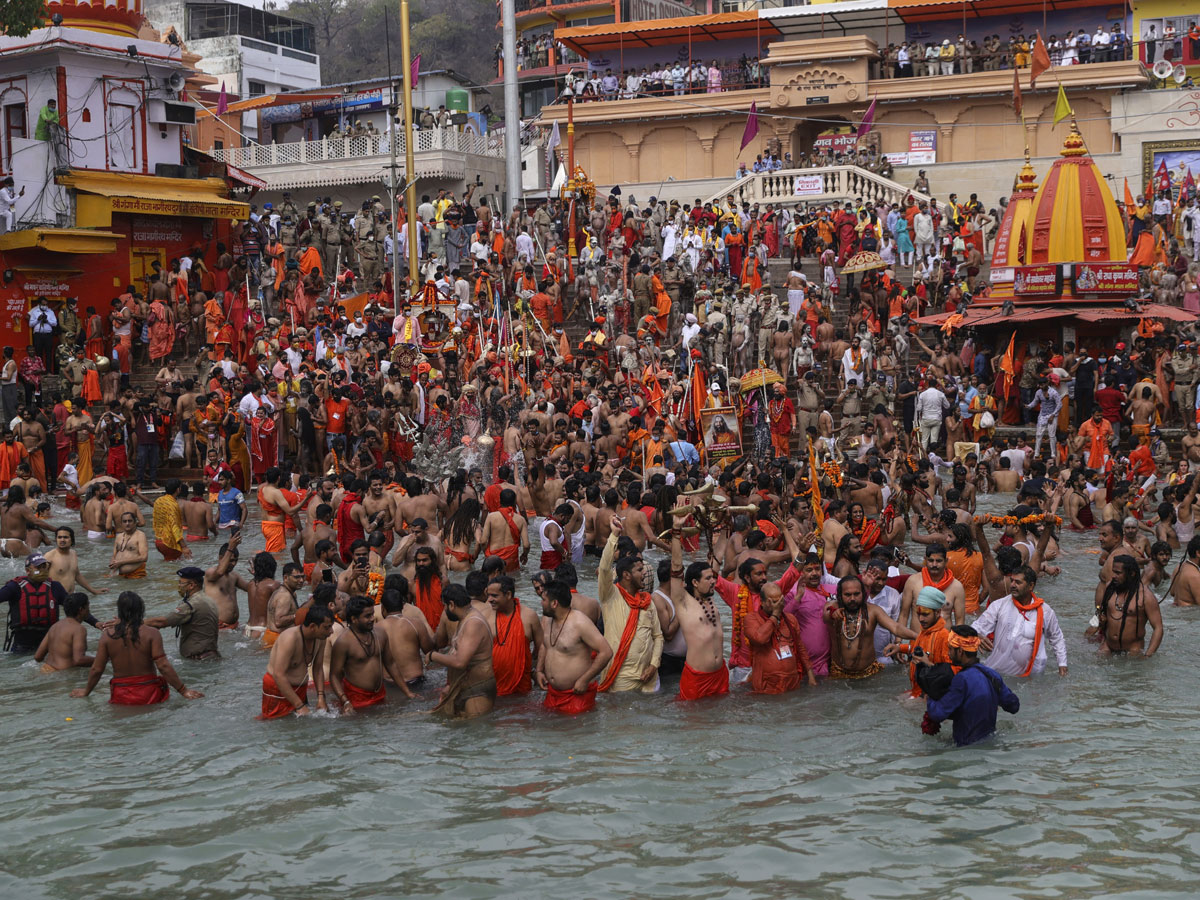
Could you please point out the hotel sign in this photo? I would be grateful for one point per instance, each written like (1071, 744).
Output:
(1105, 279)
(1038, 281)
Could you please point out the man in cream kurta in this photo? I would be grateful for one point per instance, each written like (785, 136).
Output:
(620, 593)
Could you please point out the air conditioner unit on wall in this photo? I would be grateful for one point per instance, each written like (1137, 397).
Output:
(164, 112)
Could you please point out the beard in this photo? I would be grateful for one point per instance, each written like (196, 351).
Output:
(425, 573)
(452, 615)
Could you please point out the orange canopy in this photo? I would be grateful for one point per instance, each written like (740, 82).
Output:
(657, 32)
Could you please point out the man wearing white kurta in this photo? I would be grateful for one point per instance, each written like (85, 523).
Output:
(1013, 622)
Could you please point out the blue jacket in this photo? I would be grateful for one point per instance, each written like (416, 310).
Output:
(975, 694)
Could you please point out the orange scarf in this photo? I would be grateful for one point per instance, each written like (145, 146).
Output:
(740, 611)
(636, 603)
(1037, 604)
(927, 579)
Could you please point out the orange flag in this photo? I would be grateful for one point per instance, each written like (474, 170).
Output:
(1017, 104)
(1041, 60)
(1008, 364)
(1128, 202)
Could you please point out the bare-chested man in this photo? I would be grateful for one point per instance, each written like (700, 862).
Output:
(380, 507)
(130, 549)
(575, 653)
(299, 648)
(704, 671)
(121, 504)
(1186, 589)
(417, 537)
(64, 562)
(409, 636)
(935, 574)
(281, 607)
(198, 519)
(319, 528)
(141, 670)
(222, 582)
(506, 534)
(470, 680)
(94, 514)
(360, 657)
(852, 621)
(262, 586)
(65, 644)
(20, 527)
(1124, 607)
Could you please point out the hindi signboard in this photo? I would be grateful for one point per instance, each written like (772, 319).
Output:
(1038, 281)
(1105, 279)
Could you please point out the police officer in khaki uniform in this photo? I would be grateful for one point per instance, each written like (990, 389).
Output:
(1184, 362)
(287, 207)
(809, 398)
(289, 237)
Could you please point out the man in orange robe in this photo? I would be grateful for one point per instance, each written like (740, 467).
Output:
(515, 628)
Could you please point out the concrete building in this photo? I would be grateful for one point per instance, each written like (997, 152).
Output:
(335, 140)
(812, 71)
(108, 185)
(252, 51)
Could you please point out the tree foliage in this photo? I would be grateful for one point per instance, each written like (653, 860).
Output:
(352, 37)
(19, 17)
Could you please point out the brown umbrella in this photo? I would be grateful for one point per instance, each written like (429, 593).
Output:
(863, 261)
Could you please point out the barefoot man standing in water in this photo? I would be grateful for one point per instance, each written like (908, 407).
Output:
(470, 680)
(130, 549)
(576, 652)
(852, 622)
(64, 562)
(136, 651)
(285, 684)
(704, 671)
(358, 661)
(1125, 607)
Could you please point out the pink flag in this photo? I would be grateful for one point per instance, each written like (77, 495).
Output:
(415, 69)
(868, 120)
(751, 131)
(222, 102)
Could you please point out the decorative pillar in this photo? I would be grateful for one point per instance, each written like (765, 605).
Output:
(634, 167)
(945, 144)
(706, 144)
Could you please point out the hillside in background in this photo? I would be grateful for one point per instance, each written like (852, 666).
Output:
(352, 36)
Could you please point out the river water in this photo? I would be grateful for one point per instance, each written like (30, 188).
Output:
(832, 792)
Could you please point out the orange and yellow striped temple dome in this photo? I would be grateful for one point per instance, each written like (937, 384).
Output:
(119, 17)
(1012, 240)
(1074, 217)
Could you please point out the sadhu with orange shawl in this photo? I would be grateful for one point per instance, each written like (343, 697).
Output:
(510, 554)
(511, 658)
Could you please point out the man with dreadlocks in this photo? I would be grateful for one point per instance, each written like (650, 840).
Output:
(136, 651)
(852, 622)
(1124, 606)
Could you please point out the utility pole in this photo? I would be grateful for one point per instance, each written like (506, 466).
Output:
(512, 107)
(410, 171)
(394, 184)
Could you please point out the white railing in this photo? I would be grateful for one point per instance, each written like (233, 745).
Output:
(333, 149)
(818, 185)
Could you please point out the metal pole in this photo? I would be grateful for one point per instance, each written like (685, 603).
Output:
(571, 178)
(410, 169)
(512, 106)
(394, 184)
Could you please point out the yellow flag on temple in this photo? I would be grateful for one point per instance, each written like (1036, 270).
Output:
(1062, 108)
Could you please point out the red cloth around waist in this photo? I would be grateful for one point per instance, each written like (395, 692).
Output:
(570, 703)
(695, 685)
(274, 705)
(138, 690)
(361, 699)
